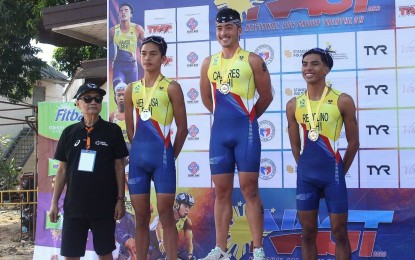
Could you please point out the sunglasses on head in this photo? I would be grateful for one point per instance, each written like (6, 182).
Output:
(326, 52)
(155, 39)
(88, 99)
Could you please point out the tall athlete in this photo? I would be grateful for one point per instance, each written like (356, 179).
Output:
(228, 83)
(315, 120)
(125, 36)
(156, 100)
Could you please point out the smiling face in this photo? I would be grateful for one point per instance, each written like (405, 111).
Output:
(314, 70)
(228, 34)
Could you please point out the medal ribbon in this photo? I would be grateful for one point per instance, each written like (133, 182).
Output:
(88, 139)
(313, 120)
(152, 90)
(225, 71)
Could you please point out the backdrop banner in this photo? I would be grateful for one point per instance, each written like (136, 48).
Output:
(373, 46)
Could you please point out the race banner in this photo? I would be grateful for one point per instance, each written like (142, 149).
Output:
(373, 47)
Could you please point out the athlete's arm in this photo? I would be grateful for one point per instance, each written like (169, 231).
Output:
(140, 36)
(293, 130)
(140, 32)
(262, 83)
(111, 42)
(60, 181)
(129, 108)
(179, 111)
(348, 110)
(205, 88)
(159, 235)
(120, 178)
(188, 236)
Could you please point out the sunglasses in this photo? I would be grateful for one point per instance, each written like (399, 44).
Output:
(88, 99)
(326, 52)
(155, 39)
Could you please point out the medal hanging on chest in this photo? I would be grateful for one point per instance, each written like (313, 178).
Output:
(225, 87)
(145, 113)
(313, 133)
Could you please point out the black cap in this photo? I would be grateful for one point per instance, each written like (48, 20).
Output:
(89, 87)
(228, 15)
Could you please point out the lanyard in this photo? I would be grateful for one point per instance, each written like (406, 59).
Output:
(153, 88)
(313, 120)
(88, 139)
(225, 71)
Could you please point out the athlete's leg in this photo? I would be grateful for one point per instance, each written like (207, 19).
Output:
(339, 230)
(223, 207)
(308, 220)
(141, 205)
(254, 209)
(165, 203)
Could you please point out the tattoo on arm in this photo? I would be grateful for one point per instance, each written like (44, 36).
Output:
(264, 66)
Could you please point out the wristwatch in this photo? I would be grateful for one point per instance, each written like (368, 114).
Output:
(121, 198)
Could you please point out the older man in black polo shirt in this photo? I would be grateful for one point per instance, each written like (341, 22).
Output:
(91, 155)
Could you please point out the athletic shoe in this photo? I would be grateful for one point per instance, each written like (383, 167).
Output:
(259, 254)
(217, 254)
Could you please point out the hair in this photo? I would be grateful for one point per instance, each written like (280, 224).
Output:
(159, 41)
(325, 55)
(128, 5)
(228, 15)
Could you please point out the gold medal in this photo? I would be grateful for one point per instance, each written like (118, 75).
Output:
(313, 118)
(145, 115)
(225, 88)
(313, 134)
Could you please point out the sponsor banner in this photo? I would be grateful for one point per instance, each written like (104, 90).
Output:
(56, 116)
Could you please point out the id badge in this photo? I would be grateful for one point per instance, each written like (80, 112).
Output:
(87, 160)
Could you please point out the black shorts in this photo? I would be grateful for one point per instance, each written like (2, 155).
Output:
(75, 234)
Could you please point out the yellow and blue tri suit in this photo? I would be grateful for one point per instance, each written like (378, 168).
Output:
(234, 135)
(125, 63)
(151, 156)
(320, 166)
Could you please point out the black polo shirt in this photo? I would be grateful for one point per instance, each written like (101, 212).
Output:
(91, 194)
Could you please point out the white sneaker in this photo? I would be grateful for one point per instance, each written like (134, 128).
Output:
(259, 254)
(217, 254)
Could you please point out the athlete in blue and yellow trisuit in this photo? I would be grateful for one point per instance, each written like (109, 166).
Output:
(315, 120)
(125, 36)
(228, 83)
(156, 100)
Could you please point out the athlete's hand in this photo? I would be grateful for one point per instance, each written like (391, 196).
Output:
(130, 246)
(54, 213)
(119, 210)
(161, 246)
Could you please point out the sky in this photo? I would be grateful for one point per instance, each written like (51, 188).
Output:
(47, 51)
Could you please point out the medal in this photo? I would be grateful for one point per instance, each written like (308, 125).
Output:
(313, 134)
(313, 118)
(225, 88)
(145, 115)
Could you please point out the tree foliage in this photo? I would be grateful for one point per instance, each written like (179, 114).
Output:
(68, 59)
(19, 67)
(8, 170)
